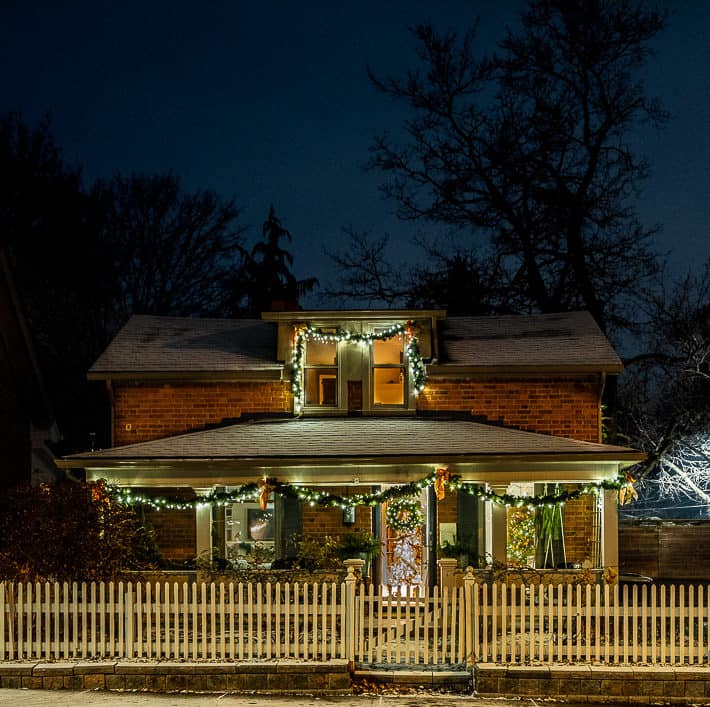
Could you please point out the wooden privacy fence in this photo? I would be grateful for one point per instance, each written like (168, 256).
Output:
(379, 625)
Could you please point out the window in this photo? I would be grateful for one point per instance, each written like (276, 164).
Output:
(321, 373)
(388, 371)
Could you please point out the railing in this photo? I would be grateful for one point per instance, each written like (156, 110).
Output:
(496, 623)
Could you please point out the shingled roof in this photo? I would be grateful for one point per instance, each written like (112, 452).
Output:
(570, 339)
(317, 440)
(179, 344)
(150, 345)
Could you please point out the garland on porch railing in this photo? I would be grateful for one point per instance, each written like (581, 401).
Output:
(256, 492)
(309, 333)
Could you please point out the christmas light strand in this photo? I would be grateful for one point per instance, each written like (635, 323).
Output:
(309, 333)
(404, 514)
(317, 497)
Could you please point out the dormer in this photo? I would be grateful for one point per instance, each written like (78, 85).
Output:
(356, 362)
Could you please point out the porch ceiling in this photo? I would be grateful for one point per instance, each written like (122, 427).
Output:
(373, 450)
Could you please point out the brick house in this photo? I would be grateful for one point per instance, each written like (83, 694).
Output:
(356, 404)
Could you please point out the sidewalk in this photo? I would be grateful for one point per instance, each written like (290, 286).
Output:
(56, 698)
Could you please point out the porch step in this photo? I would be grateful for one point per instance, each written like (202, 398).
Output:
(454, 680)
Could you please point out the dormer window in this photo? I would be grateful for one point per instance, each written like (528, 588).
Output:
(356, 363)
(321, 373)
(388, 371)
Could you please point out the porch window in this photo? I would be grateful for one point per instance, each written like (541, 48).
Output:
(321, 373)
(388, 371)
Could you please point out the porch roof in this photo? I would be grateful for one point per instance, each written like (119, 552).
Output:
(367, 440)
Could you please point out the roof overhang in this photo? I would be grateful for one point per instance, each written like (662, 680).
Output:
(353, 314)
(259, 375)
(210, 472)
(350, 451)
(540, 371)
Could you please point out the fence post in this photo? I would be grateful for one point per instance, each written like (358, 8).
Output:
(350, 616)
(469, 617)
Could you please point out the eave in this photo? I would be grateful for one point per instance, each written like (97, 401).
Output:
(544, 371)
(261, 375)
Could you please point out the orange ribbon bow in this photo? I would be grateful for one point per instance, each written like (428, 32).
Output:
(443, 476)
(266, 486)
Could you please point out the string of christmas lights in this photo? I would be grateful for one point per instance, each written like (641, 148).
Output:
(309, 333)
(404, 514)
(316, 497)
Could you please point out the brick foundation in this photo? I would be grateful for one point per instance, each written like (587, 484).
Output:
(263, 678)
(596, 683)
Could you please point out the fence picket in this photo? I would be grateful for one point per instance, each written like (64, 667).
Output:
(475, 622)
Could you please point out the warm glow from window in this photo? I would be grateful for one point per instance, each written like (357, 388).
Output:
(321, 373)
(388, 371)
(388, 351)
(388, 386)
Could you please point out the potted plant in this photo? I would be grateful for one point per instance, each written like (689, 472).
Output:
(360, 544)
(461, 548)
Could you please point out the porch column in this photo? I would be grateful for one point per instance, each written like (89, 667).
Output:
(498, 514)
(610, 530)
(203, 531)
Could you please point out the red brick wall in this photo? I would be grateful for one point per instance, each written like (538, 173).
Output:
(568, 408)
(175, 531)
(319, 522)
(145, 411)
(580, 529)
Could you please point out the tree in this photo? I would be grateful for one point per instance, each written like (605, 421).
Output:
(528, 153)
(265, 278)
(665, 396)
(70, 531)
(172, 249)
(49, 231)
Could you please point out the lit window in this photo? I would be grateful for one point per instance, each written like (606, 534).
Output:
(321, 373)
(388, 371)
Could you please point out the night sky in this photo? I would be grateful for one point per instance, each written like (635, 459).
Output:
(269, 102)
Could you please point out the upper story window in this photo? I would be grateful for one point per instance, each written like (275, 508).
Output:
(353, 370)
(388, 371)
(321, 373)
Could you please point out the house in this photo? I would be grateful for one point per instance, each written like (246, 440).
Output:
(420, 427)
(26, 418)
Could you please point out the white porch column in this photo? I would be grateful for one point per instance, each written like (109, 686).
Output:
(610, 530)
(499, 533)
(499, 527)
(203, 531)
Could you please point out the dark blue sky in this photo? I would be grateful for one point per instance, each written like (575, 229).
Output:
(270, 102)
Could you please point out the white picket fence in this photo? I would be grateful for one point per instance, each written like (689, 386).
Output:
(375, 625)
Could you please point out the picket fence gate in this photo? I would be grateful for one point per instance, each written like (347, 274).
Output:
(367, 625)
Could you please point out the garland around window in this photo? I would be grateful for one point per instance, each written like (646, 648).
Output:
(309, 333)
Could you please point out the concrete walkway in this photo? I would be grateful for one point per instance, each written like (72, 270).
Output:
(93, 698)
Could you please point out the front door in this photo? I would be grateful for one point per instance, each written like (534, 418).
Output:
(403, 562)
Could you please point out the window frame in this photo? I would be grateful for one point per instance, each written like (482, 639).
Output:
(328, 367)
(402, 367)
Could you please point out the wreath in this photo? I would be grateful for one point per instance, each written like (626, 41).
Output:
(404, 514)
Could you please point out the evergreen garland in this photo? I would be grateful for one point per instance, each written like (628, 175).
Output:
(404, 514)
(316, 497)
(309, 333)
